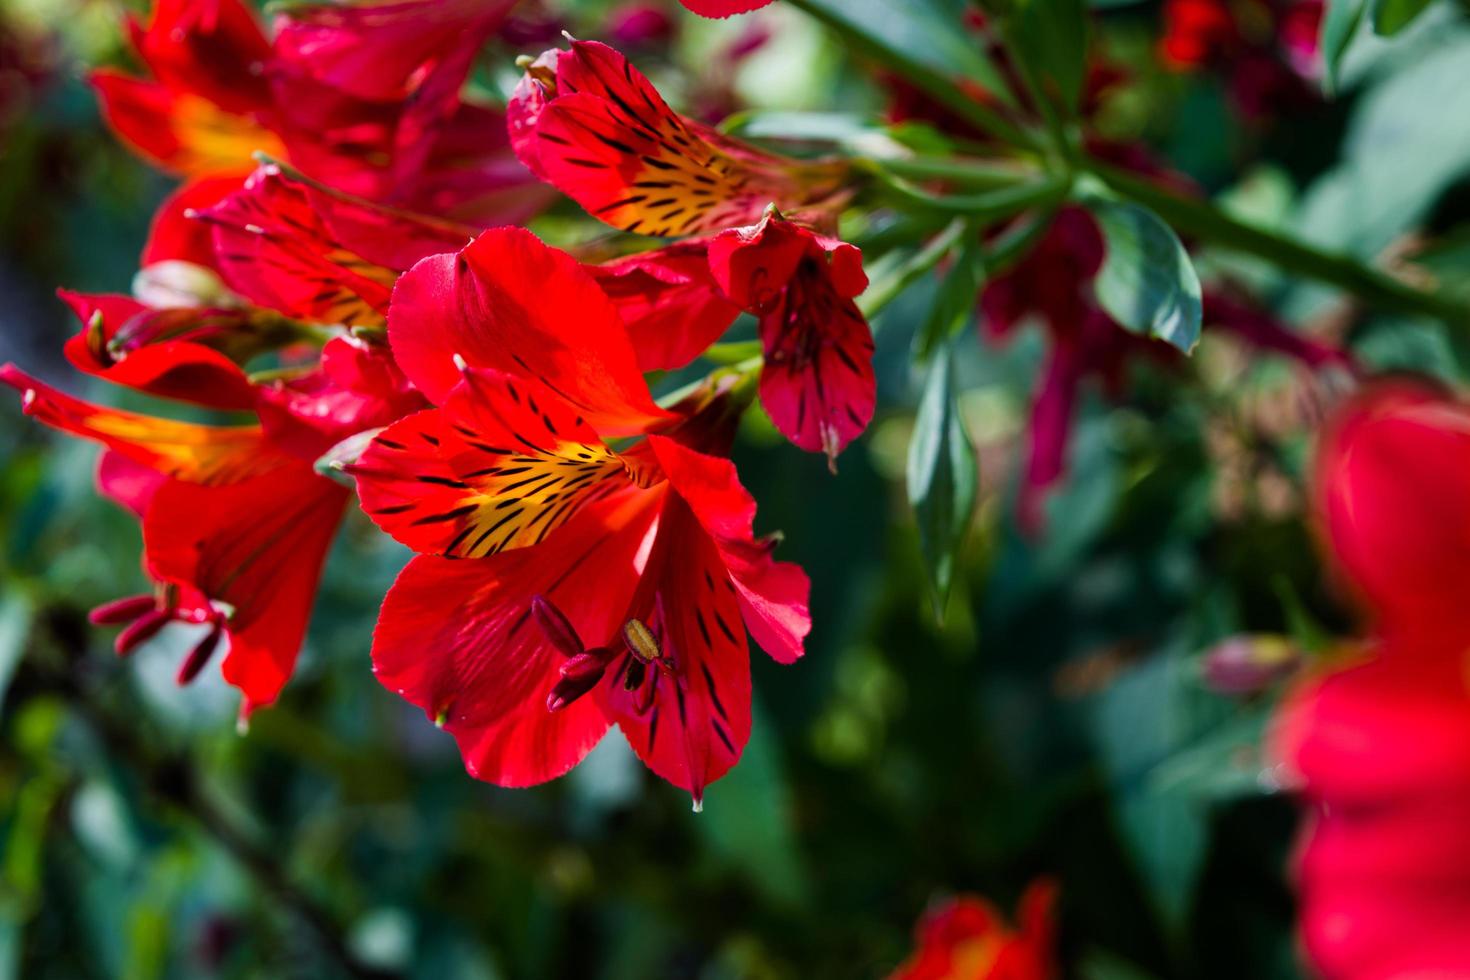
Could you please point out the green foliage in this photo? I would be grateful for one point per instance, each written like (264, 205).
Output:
(1147, 282)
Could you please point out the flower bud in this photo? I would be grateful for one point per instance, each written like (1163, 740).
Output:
(175, 284)
(1248, 663)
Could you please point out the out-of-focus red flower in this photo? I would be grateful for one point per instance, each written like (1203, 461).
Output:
(1264, 49)
(723, 8)
(967, 938)
(605, 586)
(365, 97)
(817, 383)
(1392, 475)
(1381, 752)
(587, 122)
(1381, 749)
(639, 23)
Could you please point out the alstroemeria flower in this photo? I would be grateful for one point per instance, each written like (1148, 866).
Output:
(365, 98)
(587, 122)
(967, 938)
(318, 255)
(817, 382)
(1380, 748)
(606, 585)
(236, 520)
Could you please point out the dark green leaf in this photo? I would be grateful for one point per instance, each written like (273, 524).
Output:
(1392, 16)
(1339, 23)
(1147, 282)
(1052, 39)
(943, 477)
(954, 306)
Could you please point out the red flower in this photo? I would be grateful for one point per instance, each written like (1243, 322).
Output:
(817, 383)
(967, 938)
(1381, 749)
(365, 97)
(236, 521)
(587, 122)
(1265, 49)
(608, 585)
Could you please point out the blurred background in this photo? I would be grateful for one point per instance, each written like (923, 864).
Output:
(1064, 720)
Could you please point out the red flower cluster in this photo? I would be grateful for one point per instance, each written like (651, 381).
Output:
(1381, 748)
(586, 556)
(967, 938)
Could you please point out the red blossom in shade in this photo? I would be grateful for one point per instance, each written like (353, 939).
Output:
(967, 938)
(1265, 49)
(723, 8)
(1053, 285)
(315, 254)
(605, 586)
(1381, 749)
(817, 383)
(587, 122)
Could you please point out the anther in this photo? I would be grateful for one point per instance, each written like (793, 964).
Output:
(121, 610)
(142, 629)
(199, 656)
(641, 641)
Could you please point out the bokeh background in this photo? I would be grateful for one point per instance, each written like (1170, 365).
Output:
(1059, 722)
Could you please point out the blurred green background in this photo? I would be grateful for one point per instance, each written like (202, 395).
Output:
(1056, 724)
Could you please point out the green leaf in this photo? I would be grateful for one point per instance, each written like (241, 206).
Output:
(1147, 282)
(1392, 16)
(1052, 38)
(954, 306)
(943, 477)
(1339, 23)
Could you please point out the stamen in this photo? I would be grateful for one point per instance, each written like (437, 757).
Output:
(199, 656)
(641, 641)
(141, 630)
(119, 611)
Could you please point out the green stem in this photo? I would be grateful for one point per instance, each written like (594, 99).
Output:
(987, 206)
(1206, 222)
(940, 87)
(975, 173)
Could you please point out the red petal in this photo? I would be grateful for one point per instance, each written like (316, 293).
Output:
(259, 546)
(670, 302)
(501, 466)
(1393, 475)
(608, 140)
(457, 639)
(694, 727)
(275, 247)
(180, 370)
(184, 450)
(773, 595)
(180, 132)
(723, 8)
(511, 303)
(176, 235)
(212, 48)
(128, 483)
